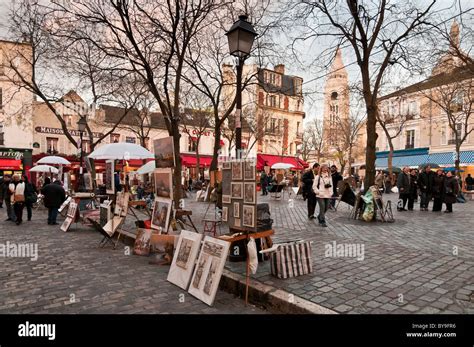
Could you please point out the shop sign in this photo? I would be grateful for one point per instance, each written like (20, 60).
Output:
(58, 131)
(11, 155)
(197, 132)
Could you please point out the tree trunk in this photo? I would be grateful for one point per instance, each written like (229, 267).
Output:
(457, 161)
(216, 150)
(177, 169)
(371, 144)
(198, 159)
(350, 161)
(390, 157)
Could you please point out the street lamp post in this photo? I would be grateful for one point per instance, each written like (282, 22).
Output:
(240, 36)
(82, 123)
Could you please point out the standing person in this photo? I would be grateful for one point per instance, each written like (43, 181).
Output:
(30, 197)
(264, 183)
(17, 189)
(308, 193)
(379, 181)
(425, 183)
(438, 190)
(469, 182)
(451, 190)
(1, 192)
(295, 180)
(54, 196)
(7, 197)
(47, 181)
(413, 189)
(388, 184)
(403, 185)
(323, 188)
(336, 177)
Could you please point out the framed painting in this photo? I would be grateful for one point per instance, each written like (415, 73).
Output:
(225, 214)
(250, 193)
(164, 152)
(161, 214)
(184, 258)
(226, 199)
(109, 177)
(208, 272)
(248, 216)
(236, 171)
(142, 242)
(249, 171)
(236, 209)
(163, 180)
(236, 190)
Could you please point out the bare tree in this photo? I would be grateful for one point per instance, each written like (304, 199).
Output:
(392, 119)
(53, 61)
(149, 39)
(455, 101)
(377, 33)
(313, 140)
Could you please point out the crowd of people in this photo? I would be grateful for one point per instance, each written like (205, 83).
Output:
(17, 192)
(440, 187)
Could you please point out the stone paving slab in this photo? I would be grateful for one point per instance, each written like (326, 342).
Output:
(421, 263)
(73, 275)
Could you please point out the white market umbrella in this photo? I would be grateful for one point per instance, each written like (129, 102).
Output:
(54, 160)
(282, 166)
(121, 151)
(147, 168)
(44, 168)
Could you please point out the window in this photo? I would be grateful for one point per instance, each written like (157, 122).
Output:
(273, 101)
(334, 96)
(68, 120)
(410, 134)
(298, 128)
(114, 138)
(130, 139)
(86, 146)
(458, 101)
(192, 144)
(413, 108)
(52, 145)
(2, 139)
(1, 99)
(452, 140)
(443, 135)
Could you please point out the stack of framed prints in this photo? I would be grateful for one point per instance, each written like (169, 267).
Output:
(163, 182)
(105, 212)
(70, 217)
(239, 194)
(184, 258)
(142, 242)
(64, 205)
(208, 271)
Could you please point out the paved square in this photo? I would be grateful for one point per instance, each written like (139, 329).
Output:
(73, 275)
(422, 263)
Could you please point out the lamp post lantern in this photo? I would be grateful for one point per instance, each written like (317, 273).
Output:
(82, 123)
(240, 36)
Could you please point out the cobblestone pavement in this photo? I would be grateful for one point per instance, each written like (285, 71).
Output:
(422, 263)
(73, 275)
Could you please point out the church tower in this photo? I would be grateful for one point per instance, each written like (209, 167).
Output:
(336, 106)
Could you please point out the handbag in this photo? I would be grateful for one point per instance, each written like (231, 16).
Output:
(18, 198)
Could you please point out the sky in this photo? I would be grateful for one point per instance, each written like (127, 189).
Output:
(314, 76)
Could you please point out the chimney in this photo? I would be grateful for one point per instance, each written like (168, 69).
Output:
(280, 68)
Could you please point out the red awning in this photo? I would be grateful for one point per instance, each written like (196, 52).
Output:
(270, 159)
(10, 164)
(189, 160)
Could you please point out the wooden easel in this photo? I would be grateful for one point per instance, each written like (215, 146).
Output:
(246, 236)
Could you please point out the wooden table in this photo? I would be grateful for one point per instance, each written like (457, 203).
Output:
(246, 236)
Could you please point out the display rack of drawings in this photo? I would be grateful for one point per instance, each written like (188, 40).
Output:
(239, 195)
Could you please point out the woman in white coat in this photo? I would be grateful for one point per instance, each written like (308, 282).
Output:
(322, 187)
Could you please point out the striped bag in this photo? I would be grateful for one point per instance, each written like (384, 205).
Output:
(292, 259)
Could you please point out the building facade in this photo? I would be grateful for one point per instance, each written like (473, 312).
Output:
(16, 121)
(431, 116)
(274, 109)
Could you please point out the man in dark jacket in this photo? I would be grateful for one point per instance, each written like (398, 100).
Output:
(403, 185)
(425, 182)
(7, 196)
(54, 196)
(308, 192)
(451, 188)
(469, 182)
(336, 177)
